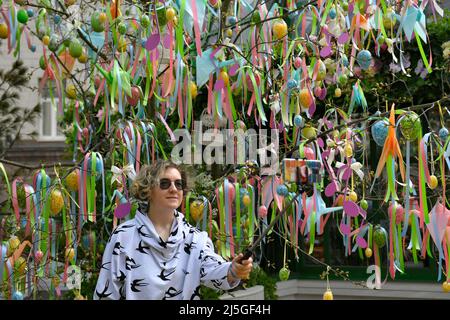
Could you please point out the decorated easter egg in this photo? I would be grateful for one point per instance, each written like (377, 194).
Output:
(364, 59)
(284, 274)
(328, 295)
(380, 131)
(3, 31)
(298, 121)
(410, 126)
(22, 16)
(379, 236)
(282, 190)
(443, 134)
(56, 201)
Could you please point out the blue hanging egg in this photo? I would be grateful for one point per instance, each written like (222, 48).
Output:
(364, 59)
(298, 121)
(332, 13)
(282, 190)
(344, 60)
(17, 295)
(30, 12)
(57, 19)
(443, 134)
(292, 84)
(380, 131)
(232, 20)
(33, 48)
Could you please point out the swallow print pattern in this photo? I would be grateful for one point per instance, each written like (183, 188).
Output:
(139, 265)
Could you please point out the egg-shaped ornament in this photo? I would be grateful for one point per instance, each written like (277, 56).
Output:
(410, 126)
(364, 59)
(298, 121)
(292, 84)
(443, 134)
(282, 190)
(322, 71)
(96, 22)
(22, 16)
(380, 131)
(17, 295)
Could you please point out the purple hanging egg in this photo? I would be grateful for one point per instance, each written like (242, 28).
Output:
(380, 131)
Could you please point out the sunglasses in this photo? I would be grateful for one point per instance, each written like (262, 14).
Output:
(165, 184)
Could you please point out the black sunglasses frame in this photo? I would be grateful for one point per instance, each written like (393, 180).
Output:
(165, 184)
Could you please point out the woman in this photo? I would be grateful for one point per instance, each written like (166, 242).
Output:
(158, 255)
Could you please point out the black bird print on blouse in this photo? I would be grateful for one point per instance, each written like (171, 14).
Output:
(188, 247)
(196, 293)
(171, 293)
(137, 283)
(104, 265)
(216, 283)
(164, 277)
(122, 295)
(141, 248)
(130, 264)
(104, 294)
(202, 272)
(163, 243)
(200, 257)
(174, 233)
(122, 276)
(185, 272)
(118, 247)
(142, 233)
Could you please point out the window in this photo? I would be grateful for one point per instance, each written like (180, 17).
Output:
(49, 128)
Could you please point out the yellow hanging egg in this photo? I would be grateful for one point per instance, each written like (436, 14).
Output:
(433, 183)
(70, 254)
(46, 40)
(56, 201)
(196, 210)
(3, 31)
(246, 200)
(446, 286)
(353, 196)
(224, 76)
(20, 265)
(72, 180)
(13, 244)
(279, 29)
(71, 91)
(193, 89)
(328, 295)
(348, 150)
(368, 252)
(170, 14)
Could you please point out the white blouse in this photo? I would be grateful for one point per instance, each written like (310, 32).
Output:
(138, 264)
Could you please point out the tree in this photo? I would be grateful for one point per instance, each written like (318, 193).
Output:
(129, 74)
(12, 116)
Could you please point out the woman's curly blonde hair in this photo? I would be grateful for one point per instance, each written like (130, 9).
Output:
(148, 178)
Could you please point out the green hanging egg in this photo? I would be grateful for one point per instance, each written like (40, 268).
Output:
(75, 48)
(410, 126)
(22, 16)
(379, 236)
(96, 23)
(284, 274)
(42, 63)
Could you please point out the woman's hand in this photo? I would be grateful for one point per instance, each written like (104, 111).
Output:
(240, 269)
